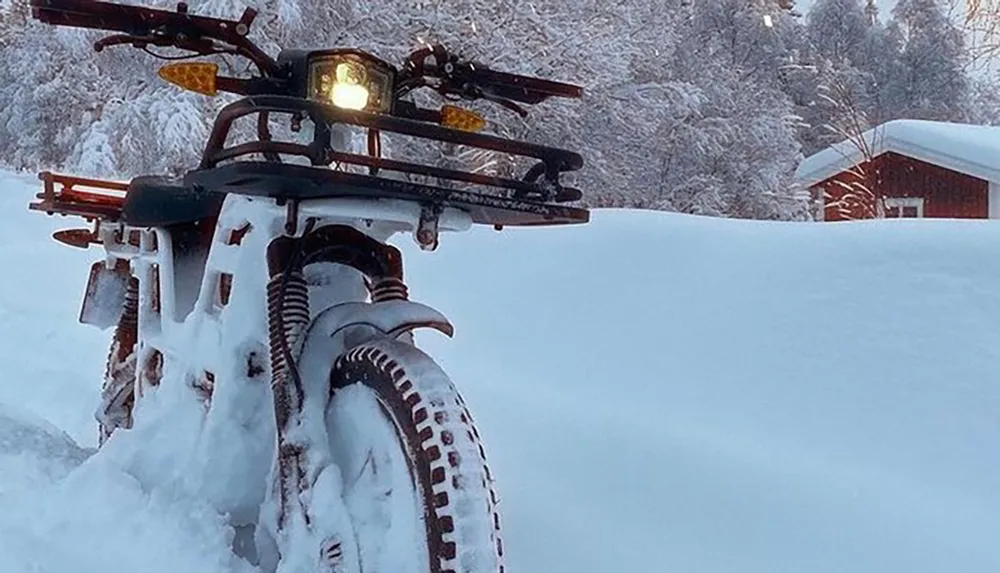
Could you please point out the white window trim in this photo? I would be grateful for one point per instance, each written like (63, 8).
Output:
(994, 200)
(901, 202)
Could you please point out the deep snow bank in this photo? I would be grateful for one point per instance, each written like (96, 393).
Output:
(60, 509)
(673, 393)
(52, 365)
(656, 392)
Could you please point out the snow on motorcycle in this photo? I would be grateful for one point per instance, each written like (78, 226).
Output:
(271, 258)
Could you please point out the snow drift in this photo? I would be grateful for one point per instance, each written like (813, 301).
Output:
(33, 451)
(656, 392)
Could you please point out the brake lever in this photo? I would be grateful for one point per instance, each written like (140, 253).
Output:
(504, 102)
(200, 46)
(117, 40)
(135, 41)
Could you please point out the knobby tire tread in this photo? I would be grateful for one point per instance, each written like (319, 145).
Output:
(460, 502)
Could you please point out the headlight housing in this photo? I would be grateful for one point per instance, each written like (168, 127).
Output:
(351, 79)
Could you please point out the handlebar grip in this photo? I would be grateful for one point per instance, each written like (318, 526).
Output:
(526, 89)
(92, 14)
(139, 20)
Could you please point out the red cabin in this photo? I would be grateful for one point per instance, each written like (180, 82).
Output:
(908, 168)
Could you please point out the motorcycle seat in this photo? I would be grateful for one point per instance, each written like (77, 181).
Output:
(153, 201)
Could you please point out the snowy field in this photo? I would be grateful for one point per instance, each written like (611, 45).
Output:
(656, 392)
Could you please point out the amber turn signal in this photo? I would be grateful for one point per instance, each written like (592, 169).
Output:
(458, 118)
(197, 77)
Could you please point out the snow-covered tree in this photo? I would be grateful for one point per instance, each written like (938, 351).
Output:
(849, 55)
(983, 101)
(837, 29)
(45, 91)
(727, 136)
(701, 107)
(930, 82)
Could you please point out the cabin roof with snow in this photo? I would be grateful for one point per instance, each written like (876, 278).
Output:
(970, 149)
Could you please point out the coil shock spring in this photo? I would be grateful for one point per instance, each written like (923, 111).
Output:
(288, 307)
(119, 373)
(129, 320)
(388, 288)
(127, 331)
(287, 321)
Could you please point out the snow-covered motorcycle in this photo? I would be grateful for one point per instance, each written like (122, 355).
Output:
(267, 266)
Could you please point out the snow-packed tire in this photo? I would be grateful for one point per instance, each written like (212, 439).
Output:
(443, 445)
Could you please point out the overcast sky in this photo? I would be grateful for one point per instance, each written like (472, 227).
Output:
(884, 6)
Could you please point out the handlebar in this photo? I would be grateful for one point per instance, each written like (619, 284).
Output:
(142, 26)
(470, 80)
(432, 67)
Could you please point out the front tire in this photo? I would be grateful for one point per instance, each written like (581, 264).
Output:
(447, 462)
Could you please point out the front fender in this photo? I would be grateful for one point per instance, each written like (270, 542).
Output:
(391, 318)
(348, 324)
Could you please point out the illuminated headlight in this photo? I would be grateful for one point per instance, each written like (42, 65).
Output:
(349, 96)
(351, 80)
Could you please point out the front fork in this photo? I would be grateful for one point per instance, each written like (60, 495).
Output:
(389, 313)
(288, 320)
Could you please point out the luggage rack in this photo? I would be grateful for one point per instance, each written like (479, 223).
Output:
(540, 183)
(537, 198)
(99, 200)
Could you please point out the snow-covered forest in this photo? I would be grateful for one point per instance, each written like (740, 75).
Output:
(722, 98)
